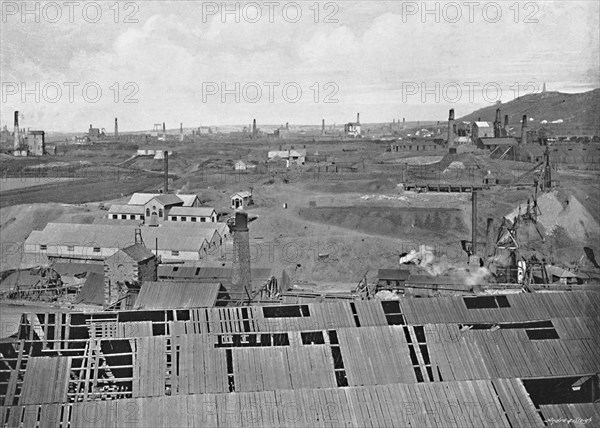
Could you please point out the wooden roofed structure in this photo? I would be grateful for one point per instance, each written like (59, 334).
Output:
(457, 361)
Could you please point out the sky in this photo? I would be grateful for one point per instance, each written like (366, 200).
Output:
(67, 66)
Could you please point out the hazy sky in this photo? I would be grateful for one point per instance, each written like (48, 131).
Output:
(375, 57)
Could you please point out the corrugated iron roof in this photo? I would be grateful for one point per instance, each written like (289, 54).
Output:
(498, 141)
(144, 198)
(177, 295)
(167, 199)
(138, 252)
(126, 209)
(71, 269)
(119, 236)
(92, 291)
(193, 211)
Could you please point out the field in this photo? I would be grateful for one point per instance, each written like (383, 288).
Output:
(7, 184)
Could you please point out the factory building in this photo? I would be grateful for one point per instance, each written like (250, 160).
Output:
(353, 129)
(126, 269)
(481, 130)
(241, 200)
(291, 157)
(94, 243)
(415, 145)
(156, 208)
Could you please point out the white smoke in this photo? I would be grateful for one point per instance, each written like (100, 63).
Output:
(426, 259)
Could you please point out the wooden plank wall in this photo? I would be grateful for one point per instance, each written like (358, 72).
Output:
(46, 380)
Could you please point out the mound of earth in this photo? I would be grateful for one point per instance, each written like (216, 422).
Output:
(388, 221)
(565, 212)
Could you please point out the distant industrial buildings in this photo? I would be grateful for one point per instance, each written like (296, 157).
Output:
(291, 156)
(353, 129)
(30, 143)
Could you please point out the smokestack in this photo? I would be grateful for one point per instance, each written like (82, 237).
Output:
(357, 117)
(241, 274)
(524, 130)
(497, 123)
(323, 126)
(164, 128)
(474, 222)
(16, 132)
(287, 126)
(506, 125)
(451, 131)
(166, 163)
(116, 128)
(254, 132)
(181, 128)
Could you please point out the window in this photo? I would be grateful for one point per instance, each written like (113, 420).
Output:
(174, 218)
(123, 216)
(202, 220)
(175, 253)
(486, 302)
(286, 311)
(43, 247)
(194, 219)
(96, 249)
(147, 212)
(160, 212)
(114, 216)
(132, 217)
(542, 334)
(70, 248)
(183, 218)
(312, 338)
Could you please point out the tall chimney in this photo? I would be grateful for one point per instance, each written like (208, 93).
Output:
(497, 123)
(166, 163)
(474, 222)
(181, 128)
(241, 274)
(506, 125)
(164, 128)
(357, 117)
(403, 123)
(451, 131)
(323, 126)
(254, 131)
(17, 131)
(116, 128)
(524, 130)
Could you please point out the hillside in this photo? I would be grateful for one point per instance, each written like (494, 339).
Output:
(580, 112)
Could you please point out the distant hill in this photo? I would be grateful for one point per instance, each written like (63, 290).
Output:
(580, 112)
